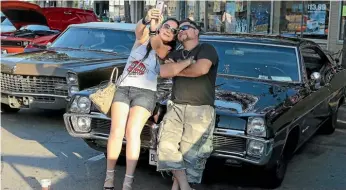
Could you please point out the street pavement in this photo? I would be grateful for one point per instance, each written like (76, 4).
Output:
(35, 145)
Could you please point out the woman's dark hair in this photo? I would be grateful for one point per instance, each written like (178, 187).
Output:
(172, 44)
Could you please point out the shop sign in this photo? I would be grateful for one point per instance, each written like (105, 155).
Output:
(316, 19)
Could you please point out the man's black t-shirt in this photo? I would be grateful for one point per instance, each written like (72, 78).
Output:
(195, 90)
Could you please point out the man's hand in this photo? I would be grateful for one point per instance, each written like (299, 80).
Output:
(172, 68)
(169, 61)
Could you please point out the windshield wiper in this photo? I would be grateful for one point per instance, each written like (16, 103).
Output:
(103, 51)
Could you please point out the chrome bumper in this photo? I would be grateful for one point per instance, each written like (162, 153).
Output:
(41, 101)
(239, 156)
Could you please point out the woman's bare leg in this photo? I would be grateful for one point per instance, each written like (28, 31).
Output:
(119, 117)
(137, 118)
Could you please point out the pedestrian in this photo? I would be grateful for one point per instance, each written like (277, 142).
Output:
(134, 100)
(186, 131)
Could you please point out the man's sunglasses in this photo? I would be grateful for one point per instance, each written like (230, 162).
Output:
(186, 27)
(168, 27)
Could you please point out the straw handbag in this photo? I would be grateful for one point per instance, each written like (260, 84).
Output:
(103, 98)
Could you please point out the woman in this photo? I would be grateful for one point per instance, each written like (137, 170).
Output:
(134, 100)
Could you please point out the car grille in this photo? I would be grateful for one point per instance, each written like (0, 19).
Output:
(229, 143)
(220, 142)
(33, 84)
(102, 126)
(11, 43)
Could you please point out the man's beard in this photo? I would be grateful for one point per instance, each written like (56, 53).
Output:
(184, 39)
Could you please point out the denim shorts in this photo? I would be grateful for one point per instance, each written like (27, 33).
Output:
(136, 97)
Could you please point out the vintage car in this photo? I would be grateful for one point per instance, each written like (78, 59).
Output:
(272, 95)
(33, 22)
(46, 79)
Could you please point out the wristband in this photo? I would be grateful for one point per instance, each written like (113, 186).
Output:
(151, 33)
(143, 21)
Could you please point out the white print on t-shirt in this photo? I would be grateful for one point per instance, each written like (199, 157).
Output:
(139, 69)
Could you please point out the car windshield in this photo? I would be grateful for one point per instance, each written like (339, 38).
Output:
(35, 27)
(6, 22)
(257, 61)
(106, 40)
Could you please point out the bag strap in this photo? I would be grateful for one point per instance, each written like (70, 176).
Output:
(112, 75)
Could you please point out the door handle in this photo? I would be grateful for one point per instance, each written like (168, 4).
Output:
(67, 13)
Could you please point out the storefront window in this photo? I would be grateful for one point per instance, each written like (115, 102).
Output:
(342, 20)
(239, 16)
(316, 19)
(119, 11)
(170, 10)
(308, 19)
(260, 17)
(215, 10)
(195, 11)
(235, 17)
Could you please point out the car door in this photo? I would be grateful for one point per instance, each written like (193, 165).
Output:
(318, 99)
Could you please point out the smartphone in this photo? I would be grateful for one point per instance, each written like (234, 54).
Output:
(160, 4)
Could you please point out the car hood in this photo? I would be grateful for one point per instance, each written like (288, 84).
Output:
(49, 62)
(249, 96)
(241, 97)
(23, 13)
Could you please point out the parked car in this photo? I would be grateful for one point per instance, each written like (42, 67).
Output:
(272, 95)
(33, 22)
(47, 79)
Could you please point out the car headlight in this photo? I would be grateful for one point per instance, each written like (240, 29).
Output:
(25, 43)
(72, 78)
(255, 148)
(73, 90)
(81, 124)
(80, 104)
(256, 127)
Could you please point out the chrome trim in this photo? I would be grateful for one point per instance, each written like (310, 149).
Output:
(236, 133)
(32, 94)
(255, 43)
(235, 153)
(218, 153)
(299, 64)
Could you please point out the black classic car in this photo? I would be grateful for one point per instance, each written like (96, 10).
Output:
(272, 95)
(81, 57)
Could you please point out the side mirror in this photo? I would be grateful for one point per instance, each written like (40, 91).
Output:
(315, 80)
(48, 44)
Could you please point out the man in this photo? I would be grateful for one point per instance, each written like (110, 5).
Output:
(185, 136)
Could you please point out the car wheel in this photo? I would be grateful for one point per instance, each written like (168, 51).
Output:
(7, 109)
(330, 125)
(275, 175)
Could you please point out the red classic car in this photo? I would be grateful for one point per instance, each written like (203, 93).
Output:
(36, 25)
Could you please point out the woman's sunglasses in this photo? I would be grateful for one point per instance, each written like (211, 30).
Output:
(168, 27)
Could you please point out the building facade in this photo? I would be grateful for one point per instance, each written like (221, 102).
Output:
(320, 21)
